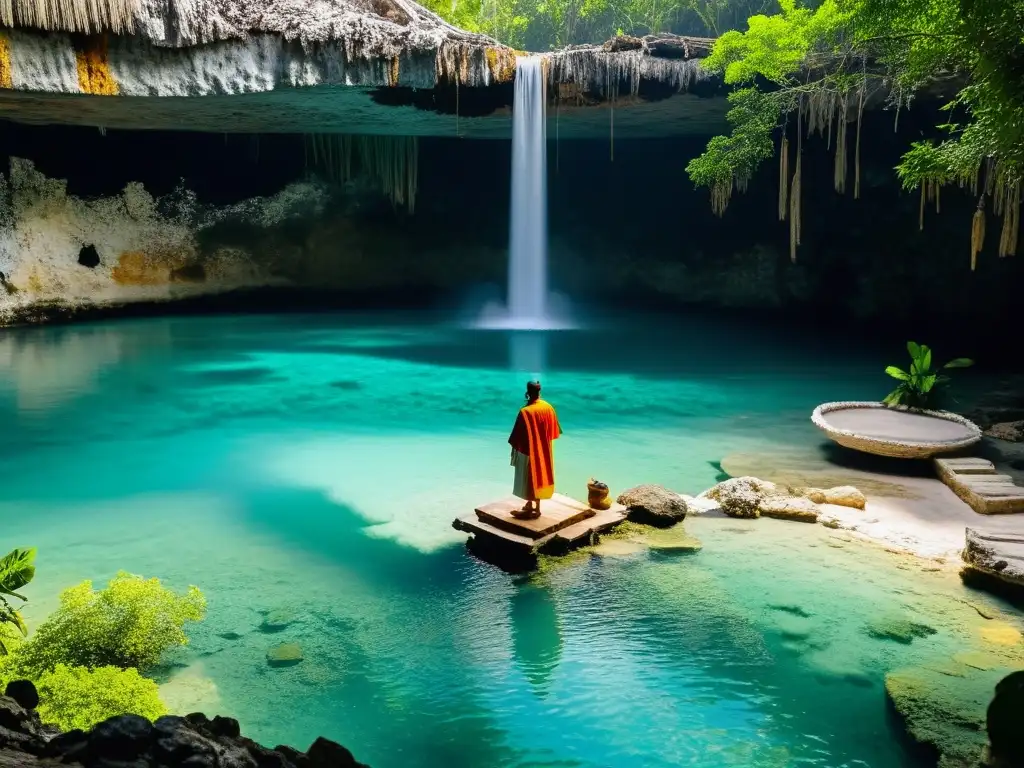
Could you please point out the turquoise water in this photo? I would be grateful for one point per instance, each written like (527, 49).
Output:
(314, 465)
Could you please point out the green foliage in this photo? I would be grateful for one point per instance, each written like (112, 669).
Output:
(804, 50)
(753, 116)
(17, 568)
(918, 386)
(131, 623)
(546, 24)
(76, 697)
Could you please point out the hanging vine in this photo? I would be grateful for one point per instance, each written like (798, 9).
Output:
(390, 162)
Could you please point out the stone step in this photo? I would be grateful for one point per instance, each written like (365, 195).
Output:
(969, 466)
(978, 484)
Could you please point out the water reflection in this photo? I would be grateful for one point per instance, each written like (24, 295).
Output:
(528, 352)
(536, 635)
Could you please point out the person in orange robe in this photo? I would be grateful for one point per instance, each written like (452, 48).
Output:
(532, 456)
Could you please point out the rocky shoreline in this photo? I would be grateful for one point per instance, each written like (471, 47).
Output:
(131, 741)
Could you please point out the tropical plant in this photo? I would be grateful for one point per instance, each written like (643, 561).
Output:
(919, 385)
(812, 66)
(131, 623)
(17, 569)
(76, 697)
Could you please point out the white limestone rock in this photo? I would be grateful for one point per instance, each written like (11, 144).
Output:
(845, 496)
(790, 508)
(742, 496)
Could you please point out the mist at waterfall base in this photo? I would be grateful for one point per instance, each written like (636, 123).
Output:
(530, 306)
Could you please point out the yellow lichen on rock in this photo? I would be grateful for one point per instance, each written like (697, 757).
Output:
(137, 268)
(94, 76)
(6, 76)
(502, 64)
(393, 71)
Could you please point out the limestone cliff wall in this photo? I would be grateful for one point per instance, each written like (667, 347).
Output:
(58, 248)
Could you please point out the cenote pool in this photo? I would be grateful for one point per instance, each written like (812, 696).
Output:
(312, 465)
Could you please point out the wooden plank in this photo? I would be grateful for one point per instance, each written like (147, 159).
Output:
(556, 513)
(985, 479)
(474, 525)
(602, 521)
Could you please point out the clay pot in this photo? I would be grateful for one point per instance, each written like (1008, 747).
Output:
(597, 495)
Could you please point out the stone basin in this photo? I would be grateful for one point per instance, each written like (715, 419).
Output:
(894, 431)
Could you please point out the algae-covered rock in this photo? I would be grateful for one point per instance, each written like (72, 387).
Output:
(942, 712)
(284, 655)
(789, 508)
(742, 496)
(845, 496)
(654, 505)
(898, 630)
(279, 619)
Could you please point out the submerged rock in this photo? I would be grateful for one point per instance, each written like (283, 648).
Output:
(1011, 431)
(285, 655)
(279, 619)
(790, 508)
(654, 505)
(898, 630)
(943, 713)
(742, 496)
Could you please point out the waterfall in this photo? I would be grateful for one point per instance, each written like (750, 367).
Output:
(528, 234)
(530, 307)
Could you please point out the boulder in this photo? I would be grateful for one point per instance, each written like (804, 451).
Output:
(742, 496)
(997, 558)
(789, 508)
(1011, 431)
(23, 692)
(284, 655)
(1003, 721)
(845, 496)
(653, 505)
(130, 741)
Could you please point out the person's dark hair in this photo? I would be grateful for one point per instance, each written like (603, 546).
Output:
(533, 389)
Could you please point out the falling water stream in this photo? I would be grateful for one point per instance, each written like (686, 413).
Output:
(528, 239)
(530, 306)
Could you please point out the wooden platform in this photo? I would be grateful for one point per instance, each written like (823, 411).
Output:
(564, 523)
(980, 486)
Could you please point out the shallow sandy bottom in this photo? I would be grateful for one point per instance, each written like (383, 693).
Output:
(914, 513)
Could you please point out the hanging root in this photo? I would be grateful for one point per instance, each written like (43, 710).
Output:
(721, 193)
(920, 209)
(977, 232)
(839, 179)
(856, 151)
(1011, 221)
(783, 176)
(391, 162)
(794, 189)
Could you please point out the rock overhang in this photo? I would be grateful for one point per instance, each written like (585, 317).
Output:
(337, 66)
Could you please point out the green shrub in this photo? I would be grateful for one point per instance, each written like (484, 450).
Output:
(76, 697)
(129, 624)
